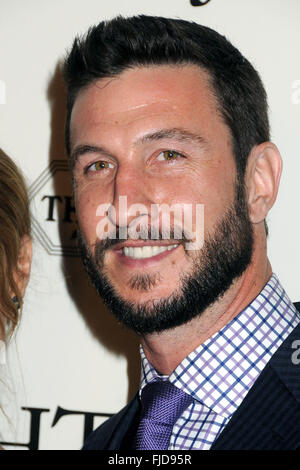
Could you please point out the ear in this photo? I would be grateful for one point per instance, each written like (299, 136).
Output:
(22, 273)
(262, 179)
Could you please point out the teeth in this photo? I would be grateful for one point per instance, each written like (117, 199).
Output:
(142, 252)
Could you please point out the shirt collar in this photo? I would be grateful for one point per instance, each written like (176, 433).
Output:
(220, 372)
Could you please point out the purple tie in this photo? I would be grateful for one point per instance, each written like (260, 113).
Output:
(162, 405)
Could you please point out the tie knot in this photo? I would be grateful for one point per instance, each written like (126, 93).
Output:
(162, 405)
(163, 402)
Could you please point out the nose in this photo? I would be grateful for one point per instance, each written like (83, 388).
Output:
(132, 197)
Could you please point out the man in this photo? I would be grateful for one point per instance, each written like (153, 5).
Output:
(165, 113)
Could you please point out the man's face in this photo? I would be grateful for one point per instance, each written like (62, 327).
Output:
(154, 135)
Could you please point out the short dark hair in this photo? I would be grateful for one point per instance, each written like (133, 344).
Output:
(122, 43)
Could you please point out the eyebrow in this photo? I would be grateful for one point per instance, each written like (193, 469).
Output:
(176, 133)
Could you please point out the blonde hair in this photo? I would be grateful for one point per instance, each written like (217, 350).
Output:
(14, 225)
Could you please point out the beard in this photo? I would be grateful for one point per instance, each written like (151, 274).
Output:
(224, 256)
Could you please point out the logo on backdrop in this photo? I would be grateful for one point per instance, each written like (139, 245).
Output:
(53, 212)
(36, 418)
(199, 3)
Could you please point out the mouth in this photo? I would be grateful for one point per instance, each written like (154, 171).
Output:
(137, 253)
(147, 251)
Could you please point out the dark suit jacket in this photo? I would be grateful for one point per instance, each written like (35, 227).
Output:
(268, 418)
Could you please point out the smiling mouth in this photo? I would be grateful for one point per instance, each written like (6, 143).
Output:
(147, 251)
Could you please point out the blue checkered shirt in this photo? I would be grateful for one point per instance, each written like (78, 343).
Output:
(221, 371)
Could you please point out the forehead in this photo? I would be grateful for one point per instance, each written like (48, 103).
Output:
(143, 94)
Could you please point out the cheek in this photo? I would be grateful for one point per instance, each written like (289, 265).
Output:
(215, 191)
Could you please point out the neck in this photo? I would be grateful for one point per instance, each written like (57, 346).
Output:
(167, 349)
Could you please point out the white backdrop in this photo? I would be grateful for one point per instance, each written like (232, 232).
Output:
(68, 352)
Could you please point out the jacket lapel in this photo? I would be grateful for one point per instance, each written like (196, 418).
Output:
(124, 426)
(269, 416)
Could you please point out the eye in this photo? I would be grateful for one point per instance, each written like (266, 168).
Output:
(99, 166)
(169, 155)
